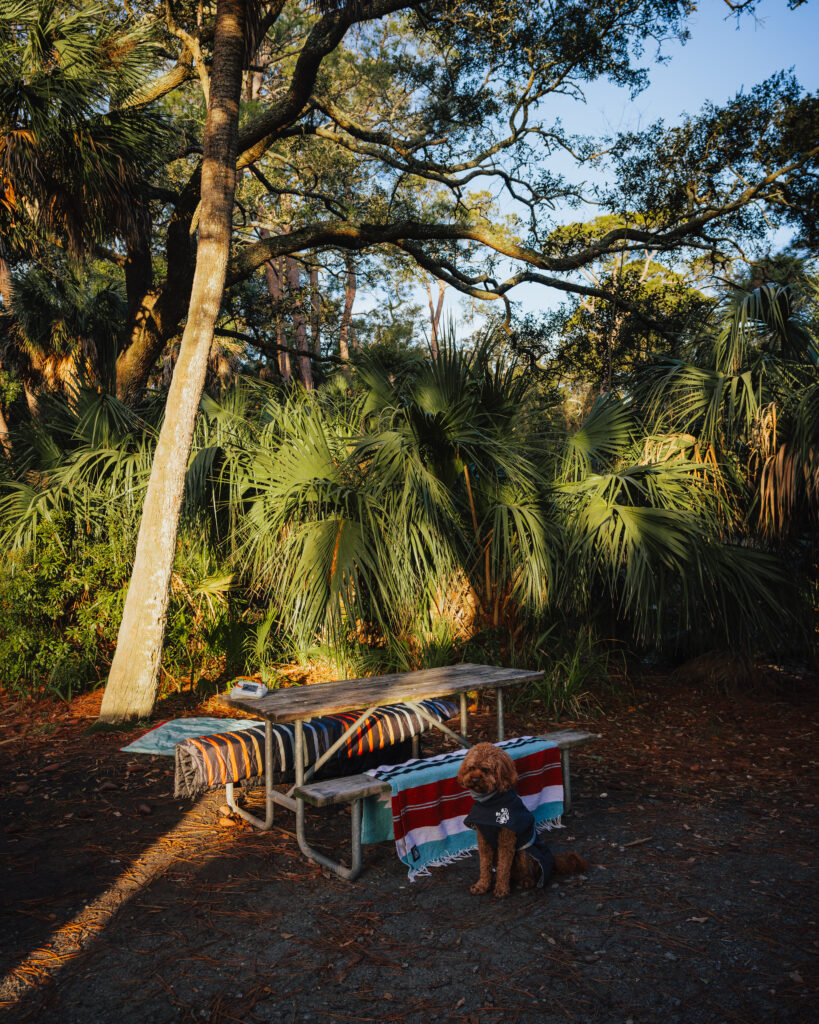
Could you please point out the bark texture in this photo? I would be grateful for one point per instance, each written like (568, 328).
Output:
(435, 315)
(345, 330)
(315, 310)
(299, 325)
(6, 286)
(274, 275)
(133, 682)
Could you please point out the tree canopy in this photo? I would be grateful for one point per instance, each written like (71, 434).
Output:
(387, 128)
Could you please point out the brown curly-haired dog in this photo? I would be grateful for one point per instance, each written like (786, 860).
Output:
(506, 834)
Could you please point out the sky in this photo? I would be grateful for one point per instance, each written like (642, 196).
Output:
(722, 56)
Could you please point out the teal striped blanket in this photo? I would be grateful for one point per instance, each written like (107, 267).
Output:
(425, 811)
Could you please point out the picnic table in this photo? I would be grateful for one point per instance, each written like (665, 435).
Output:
(302, 703)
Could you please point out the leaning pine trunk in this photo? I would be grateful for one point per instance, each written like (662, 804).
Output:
(435, 315)
(133, 681)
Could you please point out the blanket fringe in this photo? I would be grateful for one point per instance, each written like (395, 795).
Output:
(549, 824)
(439, 862)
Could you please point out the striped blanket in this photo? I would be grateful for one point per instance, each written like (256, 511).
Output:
(426, 812)
(164, 736)
(207, 762)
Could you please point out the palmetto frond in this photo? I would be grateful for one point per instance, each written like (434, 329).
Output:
(73, 160)
(89, 457)
(767, 321)
(651, 534)
(604, 435)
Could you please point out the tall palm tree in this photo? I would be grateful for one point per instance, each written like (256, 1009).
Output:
(72, 164)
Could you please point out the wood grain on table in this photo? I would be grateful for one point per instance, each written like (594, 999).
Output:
(304, 702)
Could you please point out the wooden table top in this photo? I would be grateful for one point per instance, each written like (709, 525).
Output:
(303, 702)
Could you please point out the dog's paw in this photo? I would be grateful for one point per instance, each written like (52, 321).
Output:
(479, 888)
(501, 892)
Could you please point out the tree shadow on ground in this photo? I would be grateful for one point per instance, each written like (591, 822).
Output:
(692, 810)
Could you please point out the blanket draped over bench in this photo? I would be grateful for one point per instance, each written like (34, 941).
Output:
(208, 762)
(425, 813)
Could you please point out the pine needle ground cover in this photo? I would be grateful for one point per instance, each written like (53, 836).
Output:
(696, 810)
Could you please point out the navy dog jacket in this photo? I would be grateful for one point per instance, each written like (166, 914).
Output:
(493, 811)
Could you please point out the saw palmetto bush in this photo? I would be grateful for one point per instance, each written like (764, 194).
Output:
(747, 400)
(397, 516)
(749, 395)
(397, 523)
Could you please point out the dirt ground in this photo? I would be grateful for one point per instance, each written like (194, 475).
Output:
(697, 812)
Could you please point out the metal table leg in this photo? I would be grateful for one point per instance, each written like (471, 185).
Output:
(567, 779)
(464, 722)
(269, 795)
(499, 699)
(355, 823)
(423, 713)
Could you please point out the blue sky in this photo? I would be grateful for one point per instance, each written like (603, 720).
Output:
(722, 56)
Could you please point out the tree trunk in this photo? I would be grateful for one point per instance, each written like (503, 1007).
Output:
(281, 337)
(6, 286)
(133, 681)
(435, 315)
(344, 331)
(5, 440)
(273, 274)
(6, 290)
(315, 309)
(305, 369)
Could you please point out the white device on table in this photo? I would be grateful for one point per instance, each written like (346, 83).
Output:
(248, 688)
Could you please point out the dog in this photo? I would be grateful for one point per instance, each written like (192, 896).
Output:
(507, 839)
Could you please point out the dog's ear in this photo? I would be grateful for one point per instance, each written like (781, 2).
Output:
(466, 764)
(505, 771)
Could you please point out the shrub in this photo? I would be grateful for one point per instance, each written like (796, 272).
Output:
(60, 607)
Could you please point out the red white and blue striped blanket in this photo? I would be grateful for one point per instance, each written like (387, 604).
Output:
(426, 812)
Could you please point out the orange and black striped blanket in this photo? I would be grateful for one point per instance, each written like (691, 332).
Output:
(207, 762)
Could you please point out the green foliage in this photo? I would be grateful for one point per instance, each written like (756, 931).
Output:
(64, 324)
(390, 522)
(577, 666)
(10, 389)
(60, 607)
(72, 159)
(750, 394)
(69, 513)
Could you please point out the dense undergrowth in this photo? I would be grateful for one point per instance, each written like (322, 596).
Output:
(450, 512)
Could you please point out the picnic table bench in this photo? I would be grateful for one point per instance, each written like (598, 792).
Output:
(298, 705)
